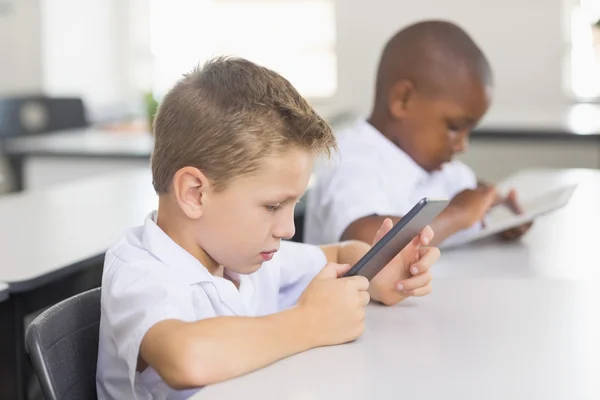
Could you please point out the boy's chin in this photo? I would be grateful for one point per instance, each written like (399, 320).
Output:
(437, 167)
(441, 165)
(249, 269)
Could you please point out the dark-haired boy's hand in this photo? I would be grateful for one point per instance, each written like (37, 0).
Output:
(512, 203)
(471, 205)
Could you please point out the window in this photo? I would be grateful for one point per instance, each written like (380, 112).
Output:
(585, 50)
(293, 37)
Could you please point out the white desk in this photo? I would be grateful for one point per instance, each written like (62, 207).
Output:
(470, 339)
(3, 291)
(42, 161)
(85, 142)
(505, 321)
(52, 244)
(48, 233)
(562, 245)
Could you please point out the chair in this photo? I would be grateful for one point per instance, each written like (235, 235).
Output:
(299, 216)
(299, 224)
(26, 115)
(62, 343)
(30, 115)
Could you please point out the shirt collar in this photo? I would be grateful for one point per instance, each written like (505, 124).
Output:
(161, 246)
(412, 172)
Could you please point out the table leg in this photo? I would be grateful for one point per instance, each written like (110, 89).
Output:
(13, 370)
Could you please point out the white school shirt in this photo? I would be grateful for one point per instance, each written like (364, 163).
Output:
(148, 278)
(372, 176)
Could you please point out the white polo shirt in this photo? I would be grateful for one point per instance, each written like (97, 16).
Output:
(371, 175)
(148, 278)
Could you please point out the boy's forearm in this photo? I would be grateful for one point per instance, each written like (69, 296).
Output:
(445, 225)
(351, 251)
(346, 252)
(222, 348)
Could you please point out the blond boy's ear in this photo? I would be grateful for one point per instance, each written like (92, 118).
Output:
(189, 188)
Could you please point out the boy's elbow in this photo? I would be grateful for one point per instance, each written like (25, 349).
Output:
(191, 368)
(362, 229)
(184, 375)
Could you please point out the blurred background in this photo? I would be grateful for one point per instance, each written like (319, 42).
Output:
(120, 56)
(81, 79)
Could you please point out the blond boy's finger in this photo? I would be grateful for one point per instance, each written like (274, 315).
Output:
(415, 282)
(422, 291)
(427, 257)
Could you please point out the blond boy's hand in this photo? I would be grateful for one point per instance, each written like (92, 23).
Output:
(335, 308)
(408, 273)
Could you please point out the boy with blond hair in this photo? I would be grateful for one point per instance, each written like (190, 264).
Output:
(207, 289)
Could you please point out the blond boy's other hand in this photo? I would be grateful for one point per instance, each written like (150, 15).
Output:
(334, 307)
(408, 273)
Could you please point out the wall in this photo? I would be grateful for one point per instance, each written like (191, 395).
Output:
(82, 50)
(20, 47)
(524, 41)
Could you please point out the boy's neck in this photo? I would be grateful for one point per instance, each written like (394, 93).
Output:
(388, 128)
(181, 231)
(383, 124)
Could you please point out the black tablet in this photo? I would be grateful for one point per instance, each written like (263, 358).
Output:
(409, 226)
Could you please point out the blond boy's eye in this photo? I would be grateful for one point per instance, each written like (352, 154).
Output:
(273, 208)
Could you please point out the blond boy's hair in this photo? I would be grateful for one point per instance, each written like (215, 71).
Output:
(225, 116)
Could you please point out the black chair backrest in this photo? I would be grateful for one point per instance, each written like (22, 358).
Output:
(63, 346)
(27, 115)
(299, 216)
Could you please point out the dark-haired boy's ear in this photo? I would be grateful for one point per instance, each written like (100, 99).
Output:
(400, 96)
(189, 187)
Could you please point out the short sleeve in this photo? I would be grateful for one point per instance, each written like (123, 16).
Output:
(298, 264)
(460, 177)
(136, 296)
(351, 190)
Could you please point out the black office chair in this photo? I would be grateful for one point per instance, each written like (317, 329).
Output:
(299, 224)
(26, 115)
(299, 216)
(62, 343)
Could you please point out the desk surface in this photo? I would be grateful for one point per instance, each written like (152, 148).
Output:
(86, 142)
(578, 122)
(41, 234)
(561, 245)
(47, 234)
(3, 291)
(470, 339)
(505, 321)
(94, 142)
